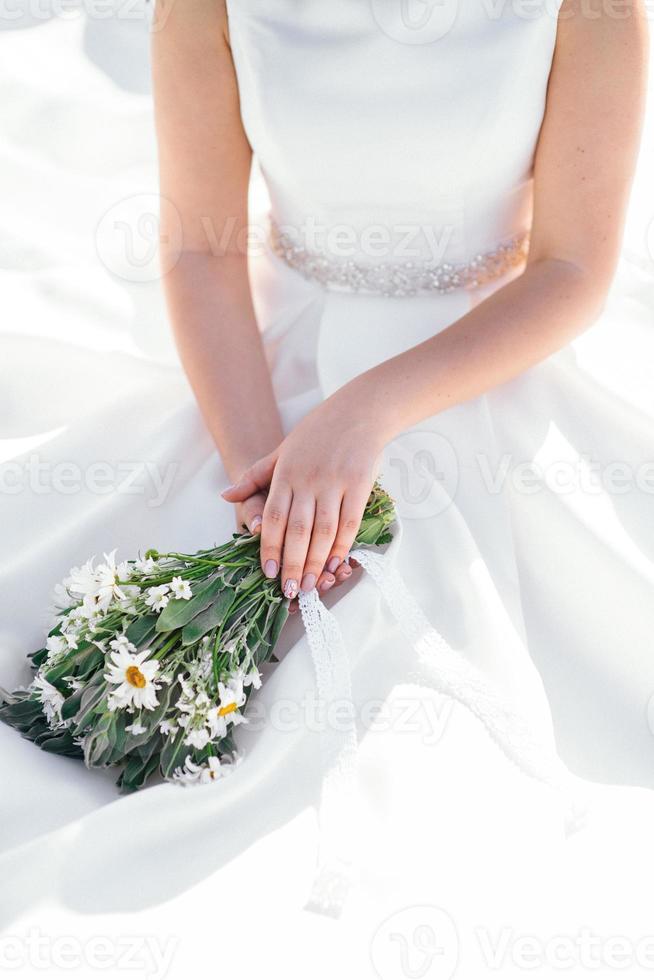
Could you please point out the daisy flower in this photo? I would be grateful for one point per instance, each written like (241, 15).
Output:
(198, 738)
(146, 566)
(107, 576)
(56, 647)
(52, 701)
(192, 773)
(180, 588)
(122, 645)
(230, 698)
(134, 677)
(136, 728)
(157, 597)
(253, 678)
(81, 580)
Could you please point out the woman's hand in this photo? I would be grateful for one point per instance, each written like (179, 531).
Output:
(318, 483)
(249, 513)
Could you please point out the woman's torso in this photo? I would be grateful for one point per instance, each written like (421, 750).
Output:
(416, 115)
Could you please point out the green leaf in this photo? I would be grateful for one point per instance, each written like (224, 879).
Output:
(92, 698)
(279, 622)
(89, 664)
(70, 663)
(151, 719)
(60, 743)
(174, 753)
(72, 704)
(38, 657)
(100, 742)
(250, 578)
(138, 767)
(141, 628)
(208, 619)
(179, 612)
(21, 714)
(370, 531)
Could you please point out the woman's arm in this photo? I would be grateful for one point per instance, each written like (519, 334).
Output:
(204, 161)
(583, 172)
(320, 476)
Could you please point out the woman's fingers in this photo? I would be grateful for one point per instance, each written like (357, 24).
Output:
(296, 543)
(352, 508)
(305, 540)
(325, 526)
(249, 514)
(256, 478)
(273, 528)
(342, 573)
(325, 582)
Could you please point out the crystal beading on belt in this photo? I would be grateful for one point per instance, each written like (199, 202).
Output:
(398, 278)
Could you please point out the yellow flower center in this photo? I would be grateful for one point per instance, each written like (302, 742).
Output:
(227, 709)
(135, 677)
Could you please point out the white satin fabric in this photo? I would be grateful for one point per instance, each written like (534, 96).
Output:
(355, 123)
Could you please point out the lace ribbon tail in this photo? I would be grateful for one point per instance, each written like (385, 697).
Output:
(339, 750)
(441, 668)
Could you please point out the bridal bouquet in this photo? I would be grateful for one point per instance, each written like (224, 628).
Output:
(151, 662)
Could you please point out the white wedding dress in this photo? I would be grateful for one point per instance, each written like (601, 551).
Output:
(386, 134)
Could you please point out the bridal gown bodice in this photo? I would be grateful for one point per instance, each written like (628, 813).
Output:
(389, 133)
(373, 112)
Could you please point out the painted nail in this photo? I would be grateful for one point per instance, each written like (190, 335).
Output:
(308, 582)
(270, 568)
(333, 564)
(255, 523)
(290, 588)
(227, 489)
(345, 572)
(327, 584)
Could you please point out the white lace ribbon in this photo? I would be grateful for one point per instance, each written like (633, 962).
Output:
(339, 753)
(441, 669)
(446, 671)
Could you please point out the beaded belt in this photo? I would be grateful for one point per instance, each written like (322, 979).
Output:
(398, 278)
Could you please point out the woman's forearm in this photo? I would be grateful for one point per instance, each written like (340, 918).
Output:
(222, 353)
(521, 324)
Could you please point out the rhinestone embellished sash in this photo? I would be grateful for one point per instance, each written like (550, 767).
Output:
(398, 278)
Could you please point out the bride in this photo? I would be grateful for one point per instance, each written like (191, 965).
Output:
(447, 185)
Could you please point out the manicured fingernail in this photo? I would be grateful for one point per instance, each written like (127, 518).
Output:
(327, 584)
(290, 588)
(345, 572)
(255, 523)
(308, 582)
(333, 564)
(270, 568)
(227, 489)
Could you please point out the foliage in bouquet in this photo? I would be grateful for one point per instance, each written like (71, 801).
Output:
(151, 662)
